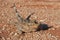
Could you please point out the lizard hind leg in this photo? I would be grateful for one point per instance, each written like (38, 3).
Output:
(28, 17)
(20, 19)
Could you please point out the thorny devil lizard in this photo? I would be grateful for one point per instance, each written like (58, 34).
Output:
(25, 25)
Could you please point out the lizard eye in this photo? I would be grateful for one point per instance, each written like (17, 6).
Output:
(35, 22)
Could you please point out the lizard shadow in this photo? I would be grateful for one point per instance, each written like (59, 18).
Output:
(43, 27)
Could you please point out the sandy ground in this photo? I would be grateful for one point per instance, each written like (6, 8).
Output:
(47, 11)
